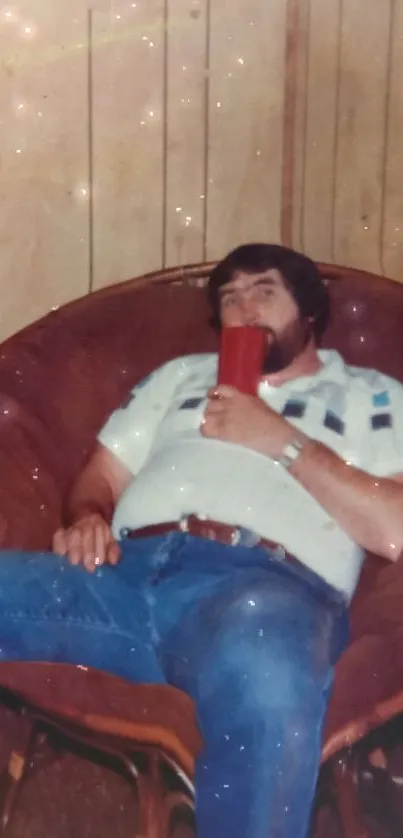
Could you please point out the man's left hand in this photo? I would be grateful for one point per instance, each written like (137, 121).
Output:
(232, 416)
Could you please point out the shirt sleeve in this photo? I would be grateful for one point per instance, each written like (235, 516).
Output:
(386, 428)
(130, 430)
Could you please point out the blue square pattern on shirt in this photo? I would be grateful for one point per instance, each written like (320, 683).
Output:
(191, 404)
(381, 399)
(294, 409)
(334, 423)
(381, 420)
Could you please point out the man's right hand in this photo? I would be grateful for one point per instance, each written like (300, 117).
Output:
(89, 541)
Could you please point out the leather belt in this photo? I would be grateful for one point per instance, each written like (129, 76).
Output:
(212, 531)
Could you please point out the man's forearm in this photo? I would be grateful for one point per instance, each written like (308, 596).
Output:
(369, 509)
(98, 488)
(88, 498)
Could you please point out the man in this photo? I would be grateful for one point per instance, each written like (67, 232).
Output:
(237, 537)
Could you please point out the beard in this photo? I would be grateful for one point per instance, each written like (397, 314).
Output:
(286, 347)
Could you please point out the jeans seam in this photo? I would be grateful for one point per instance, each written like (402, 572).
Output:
(102, 606)
(68, 621)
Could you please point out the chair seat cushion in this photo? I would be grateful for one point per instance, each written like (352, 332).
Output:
(108, 706)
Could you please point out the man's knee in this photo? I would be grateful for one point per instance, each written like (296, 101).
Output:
(260, 652)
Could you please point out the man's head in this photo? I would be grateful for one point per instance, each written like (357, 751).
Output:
(273, 287)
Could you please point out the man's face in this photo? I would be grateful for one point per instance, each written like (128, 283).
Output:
(263, 300)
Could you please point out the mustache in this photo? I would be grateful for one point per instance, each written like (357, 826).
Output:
(268, 331)
(272, 334)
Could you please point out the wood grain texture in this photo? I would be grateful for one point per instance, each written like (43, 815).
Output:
(392, 232)
(295, 122)
(168, 131)
(128, 129)
(44, 220)
(361, 134)
(245, 122)
(320, 129)
(186, 138)
(291, 48)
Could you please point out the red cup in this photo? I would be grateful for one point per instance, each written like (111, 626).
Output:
(241, 357)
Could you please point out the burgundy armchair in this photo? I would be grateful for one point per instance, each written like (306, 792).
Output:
(59, 380)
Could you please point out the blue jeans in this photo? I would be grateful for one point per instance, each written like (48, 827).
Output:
(252, 639)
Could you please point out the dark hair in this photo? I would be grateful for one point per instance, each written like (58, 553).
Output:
(300, 274)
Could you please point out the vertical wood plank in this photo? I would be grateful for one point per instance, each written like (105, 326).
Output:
(43, 159)
(322, 96)
(245, 122)
(186, 134)
(361, 133)
(128, 132)
(393, 205)
(299, 21)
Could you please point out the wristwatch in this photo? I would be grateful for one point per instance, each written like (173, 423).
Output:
(290, 453)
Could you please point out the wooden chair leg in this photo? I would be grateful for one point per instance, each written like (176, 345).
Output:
(384, 798)
(12, 777)
(345, 780)
(175, 802)
(151, 799)
(155, 801)
(151, 791)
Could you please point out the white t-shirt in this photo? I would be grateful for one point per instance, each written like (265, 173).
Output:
(356, 412)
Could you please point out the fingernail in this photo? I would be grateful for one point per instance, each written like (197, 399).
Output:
(97, 561)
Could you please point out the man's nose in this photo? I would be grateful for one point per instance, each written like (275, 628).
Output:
(250, 313)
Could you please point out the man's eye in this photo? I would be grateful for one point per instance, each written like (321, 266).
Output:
(228, 301)
(265, 291)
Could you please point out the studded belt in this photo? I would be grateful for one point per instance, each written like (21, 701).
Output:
(212, 531)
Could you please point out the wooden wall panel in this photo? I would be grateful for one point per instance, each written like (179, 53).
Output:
(186, 138)
(128, 47)
(320, 129)
(43, 159)
(137, 134)
(393, 203)
(294, 126)
(246, 101)
(365, 41)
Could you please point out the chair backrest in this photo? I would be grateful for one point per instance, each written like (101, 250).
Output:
(61, 376)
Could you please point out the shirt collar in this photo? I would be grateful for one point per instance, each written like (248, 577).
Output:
(333, 369)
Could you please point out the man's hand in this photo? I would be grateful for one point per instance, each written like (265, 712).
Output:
(245, 420)
(89, 541)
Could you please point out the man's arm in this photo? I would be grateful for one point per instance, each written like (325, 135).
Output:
(87, 538)
(369, 509)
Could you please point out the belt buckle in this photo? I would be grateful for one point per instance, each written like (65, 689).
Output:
(185, 521)
(240, 537)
